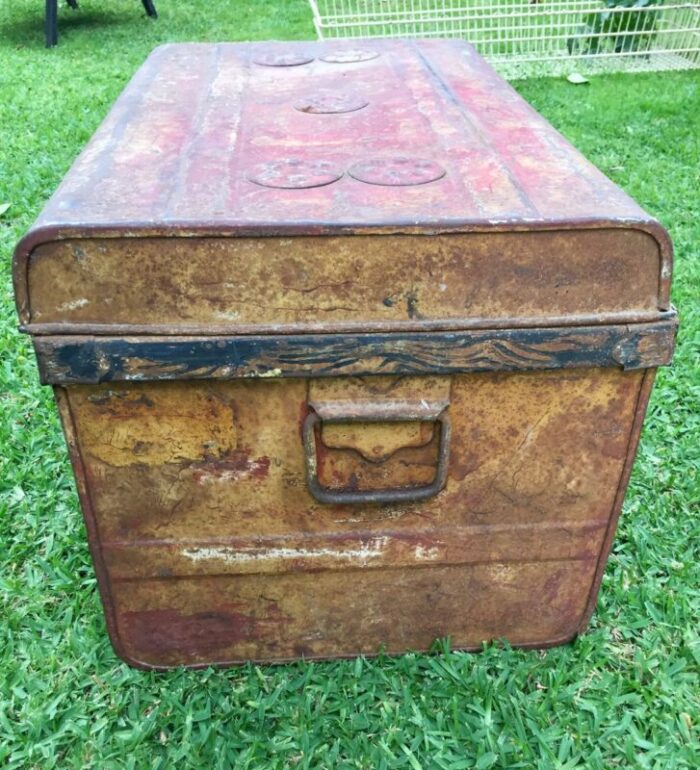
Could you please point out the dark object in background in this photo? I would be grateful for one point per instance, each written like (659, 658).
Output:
(615, 30)
(350, 348)
(51, 18)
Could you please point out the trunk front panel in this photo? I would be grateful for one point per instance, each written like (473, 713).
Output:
(209, 532)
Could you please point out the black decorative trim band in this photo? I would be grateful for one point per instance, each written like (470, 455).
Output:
(66, 360)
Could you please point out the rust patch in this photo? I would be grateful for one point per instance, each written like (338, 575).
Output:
(235, 466)
(412, 304)
(167, 631)
(192, 285)
(552, 585)
(376, 441)
(431, 388)
(137, 426)
(106, 399)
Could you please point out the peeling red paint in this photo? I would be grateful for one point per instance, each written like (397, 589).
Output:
(235, 466)
(167, 630)
(200, 633)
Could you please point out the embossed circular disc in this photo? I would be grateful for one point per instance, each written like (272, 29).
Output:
(397, 172)
(294, 173)
(328, 103)
(349, 55)
(282, 59)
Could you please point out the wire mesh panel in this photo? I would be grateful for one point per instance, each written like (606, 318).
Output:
(527, 37)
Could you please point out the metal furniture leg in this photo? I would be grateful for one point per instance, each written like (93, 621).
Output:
(150, 8)
(51, 23)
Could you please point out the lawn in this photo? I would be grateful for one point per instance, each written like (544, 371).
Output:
(626, 694)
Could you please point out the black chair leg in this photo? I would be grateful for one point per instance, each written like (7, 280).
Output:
(51, 23)
(150, 8)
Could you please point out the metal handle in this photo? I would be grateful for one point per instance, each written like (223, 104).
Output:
(387, 413)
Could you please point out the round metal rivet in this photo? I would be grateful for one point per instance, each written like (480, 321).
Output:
(282, 59)
(294, 173)
(330, 103)
(397, 172)
(349, 56)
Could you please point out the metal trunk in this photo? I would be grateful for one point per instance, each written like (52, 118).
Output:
(351, 350)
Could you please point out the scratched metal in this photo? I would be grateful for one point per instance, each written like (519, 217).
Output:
(477, 351)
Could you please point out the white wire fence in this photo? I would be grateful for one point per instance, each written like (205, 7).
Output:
(534, 37)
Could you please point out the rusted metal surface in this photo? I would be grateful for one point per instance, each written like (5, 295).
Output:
(380, 414)
(196, 526)
(321, 316)
(635, 433)
(171, 161)
(462, 324)
(347, 283)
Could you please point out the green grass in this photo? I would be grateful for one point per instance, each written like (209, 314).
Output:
(625, 695)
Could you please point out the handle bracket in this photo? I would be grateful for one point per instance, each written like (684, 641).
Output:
(392, 412)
